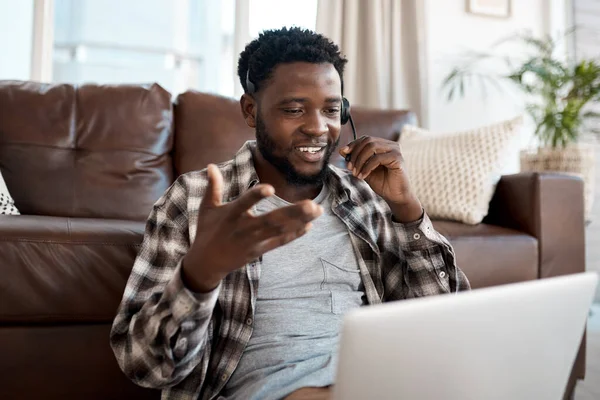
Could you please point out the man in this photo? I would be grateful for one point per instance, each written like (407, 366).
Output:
(247, 268)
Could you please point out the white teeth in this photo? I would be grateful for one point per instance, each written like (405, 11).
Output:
(310, 149)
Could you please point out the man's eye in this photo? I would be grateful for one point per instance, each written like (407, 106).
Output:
(292, 111)
(333, 111)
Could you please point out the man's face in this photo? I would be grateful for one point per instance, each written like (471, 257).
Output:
(298, 120)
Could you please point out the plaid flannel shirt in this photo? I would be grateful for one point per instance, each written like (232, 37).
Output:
(188, 344)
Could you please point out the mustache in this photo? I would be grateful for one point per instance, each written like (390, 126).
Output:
(317, 143)
(313, 143)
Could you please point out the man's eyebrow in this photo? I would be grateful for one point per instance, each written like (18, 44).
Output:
(302, 100)
(289, 100)
(336, 99)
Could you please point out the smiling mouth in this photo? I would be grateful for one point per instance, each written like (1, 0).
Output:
(310, 154)
(311, 150)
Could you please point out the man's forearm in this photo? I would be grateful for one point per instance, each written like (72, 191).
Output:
(164, 331)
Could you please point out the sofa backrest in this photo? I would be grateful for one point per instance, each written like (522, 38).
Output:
(85, 151)
(208, 129)
(110, 151)
(211, 129)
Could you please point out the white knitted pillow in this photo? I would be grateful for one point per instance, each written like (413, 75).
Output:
(7, 204)
(455, 174)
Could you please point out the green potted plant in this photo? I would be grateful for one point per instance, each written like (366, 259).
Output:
(562, 98)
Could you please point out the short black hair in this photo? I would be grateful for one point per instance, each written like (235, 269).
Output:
(286, 45)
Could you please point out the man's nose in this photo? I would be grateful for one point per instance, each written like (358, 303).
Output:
(315, 125)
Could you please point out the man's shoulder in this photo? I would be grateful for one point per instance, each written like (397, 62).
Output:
(341, 172)
(343, 178)
(197, 180)
(359, 190)
(366, 204)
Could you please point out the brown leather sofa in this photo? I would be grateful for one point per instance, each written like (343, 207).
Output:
(85, 164)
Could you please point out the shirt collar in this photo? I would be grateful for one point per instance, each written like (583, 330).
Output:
(244, 173)
(339, 181)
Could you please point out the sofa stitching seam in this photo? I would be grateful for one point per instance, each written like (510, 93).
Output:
(67, 242)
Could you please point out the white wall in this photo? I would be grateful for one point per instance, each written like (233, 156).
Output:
(587, 44)
(16, 34)
(449, 31)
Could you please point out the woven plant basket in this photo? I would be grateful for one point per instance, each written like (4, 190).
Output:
(577, 159)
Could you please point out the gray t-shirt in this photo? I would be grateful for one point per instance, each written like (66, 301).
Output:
(305, 288)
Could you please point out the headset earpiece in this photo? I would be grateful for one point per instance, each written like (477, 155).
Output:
(250, 88)
(345, 111)
(345, 117)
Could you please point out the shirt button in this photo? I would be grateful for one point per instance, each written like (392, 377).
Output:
(249, 321)
(416, 236)
(442, 274)
(184, 306)
(224, 377)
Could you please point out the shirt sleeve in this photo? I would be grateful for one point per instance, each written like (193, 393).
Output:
(160, 330)
(419, 261)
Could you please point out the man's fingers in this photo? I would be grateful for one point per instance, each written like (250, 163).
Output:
(250, 198)
(271, 230)
(214, 190)
(363, 155)
(374, 162)
(357, 145)
(304, 211)
(278, 241)
(349, 148)
(281, 221)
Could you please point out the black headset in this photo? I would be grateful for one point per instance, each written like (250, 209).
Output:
(344, 112)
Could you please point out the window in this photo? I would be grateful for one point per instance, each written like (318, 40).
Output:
(16, 39)
(134, 41)
(180, 44)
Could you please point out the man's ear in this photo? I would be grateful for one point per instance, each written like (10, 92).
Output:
(249, 109)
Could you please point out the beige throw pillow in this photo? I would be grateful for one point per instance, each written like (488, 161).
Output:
(7, 204)
(455, 174)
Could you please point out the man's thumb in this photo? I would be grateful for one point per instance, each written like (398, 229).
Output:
(214, 191)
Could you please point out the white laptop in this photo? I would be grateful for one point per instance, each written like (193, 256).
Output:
(516, 341)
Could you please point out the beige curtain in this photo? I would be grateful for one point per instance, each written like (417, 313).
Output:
(241, 37)
(379, 38)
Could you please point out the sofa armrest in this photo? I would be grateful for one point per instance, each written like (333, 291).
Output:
(64, 270)
(550, 208)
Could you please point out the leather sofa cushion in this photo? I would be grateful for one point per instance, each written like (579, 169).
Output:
(63, 362)
(491, 255)
(85, 151)
(64, 270)
(211, 129)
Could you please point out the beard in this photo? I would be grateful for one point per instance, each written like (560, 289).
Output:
(268, 149)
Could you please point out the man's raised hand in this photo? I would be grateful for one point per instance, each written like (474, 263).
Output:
(228, 236)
